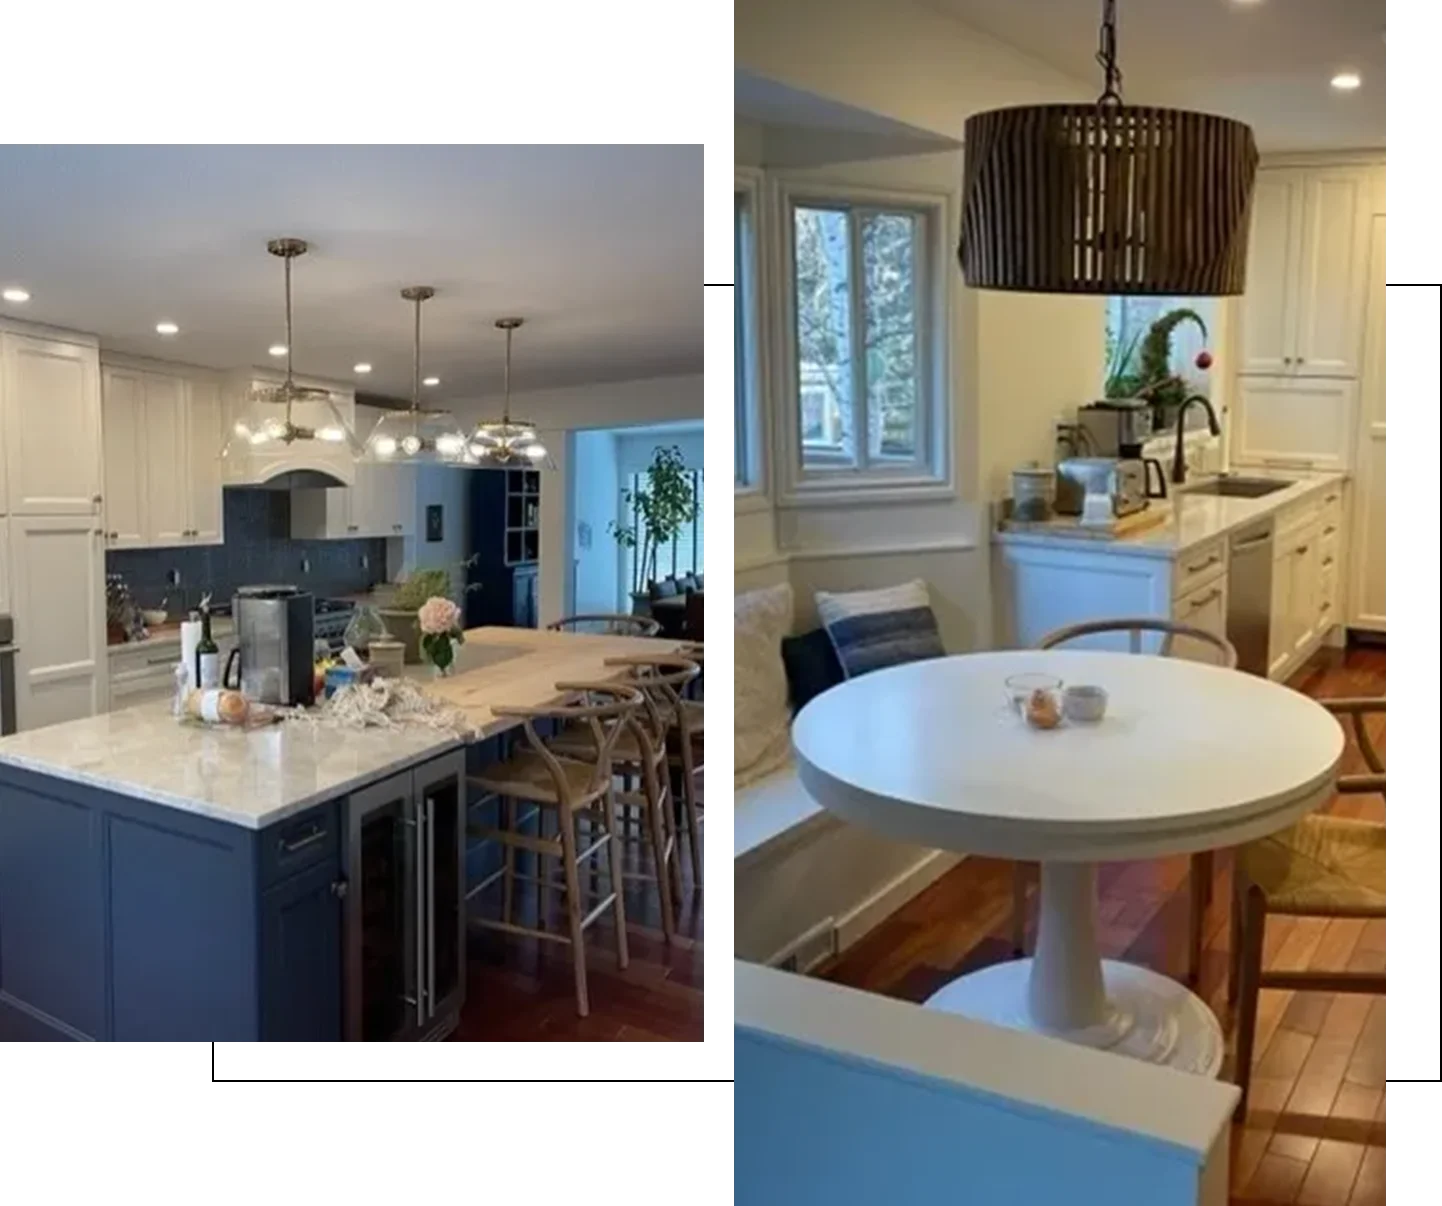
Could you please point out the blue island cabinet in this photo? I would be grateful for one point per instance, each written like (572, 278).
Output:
(127, 920)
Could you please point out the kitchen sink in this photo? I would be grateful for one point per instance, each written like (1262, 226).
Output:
(1240, 487)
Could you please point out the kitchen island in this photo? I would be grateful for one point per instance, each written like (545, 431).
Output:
(163, 881)
(1199, 567)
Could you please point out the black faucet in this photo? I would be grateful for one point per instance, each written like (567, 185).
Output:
(1179, 460)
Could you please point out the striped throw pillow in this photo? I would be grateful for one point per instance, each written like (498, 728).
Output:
(875, 628)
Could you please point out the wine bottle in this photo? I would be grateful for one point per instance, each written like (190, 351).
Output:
(207, 654)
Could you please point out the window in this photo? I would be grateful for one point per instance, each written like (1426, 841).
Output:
(1129, 319)
(683, 555)
(860, 299)
(741, 289)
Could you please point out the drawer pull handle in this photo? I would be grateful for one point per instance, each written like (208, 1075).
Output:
(1328, 562)
(1302, 548)
(1329, 530)
(1331, 498)
(161, 661)
(1202, 602)
(316, 834)
(1212, 560)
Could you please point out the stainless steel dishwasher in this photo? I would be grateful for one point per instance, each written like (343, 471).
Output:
(1249, 596)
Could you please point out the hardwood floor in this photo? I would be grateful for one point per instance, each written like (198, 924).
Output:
(521, 989)
(1315, 1130)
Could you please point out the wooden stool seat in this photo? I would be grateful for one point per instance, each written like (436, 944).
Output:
(1322, 866)
(527, 776)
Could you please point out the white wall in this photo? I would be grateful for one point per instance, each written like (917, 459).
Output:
(557, 412)
(449, 489)
(595, 488)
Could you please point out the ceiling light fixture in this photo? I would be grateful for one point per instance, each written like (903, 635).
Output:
(1346, 81)
(1106, 198)
(277, 349)
(15, 294)
(417, 436)
(507, 443)
(362, 368)
(167, 328)
(270, 416)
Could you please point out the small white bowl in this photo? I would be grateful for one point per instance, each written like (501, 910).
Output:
(153, 617)
(1084, 704)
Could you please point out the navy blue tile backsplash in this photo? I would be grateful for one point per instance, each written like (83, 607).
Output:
(257, 549)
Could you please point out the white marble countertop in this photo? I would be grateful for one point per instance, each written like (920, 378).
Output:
(1194, 518)
(254, 778)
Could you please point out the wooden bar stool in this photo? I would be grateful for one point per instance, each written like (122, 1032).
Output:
(608, 625)
(571, 788)
(640, 755)
(1200, 645)
(688, 757)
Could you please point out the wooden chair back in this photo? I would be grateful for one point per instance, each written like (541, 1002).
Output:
(1357, 710)
(1226, 653)
(604, 709)
(605, 624)
(662, 680)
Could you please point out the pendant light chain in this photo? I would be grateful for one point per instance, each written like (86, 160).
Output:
(416, 374)
(289, 346)
(1107, 55)
(507, 416)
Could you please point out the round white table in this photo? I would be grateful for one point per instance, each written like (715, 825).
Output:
(1188, 757)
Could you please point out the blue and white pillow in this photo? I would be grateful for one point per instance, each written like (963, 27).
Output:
(871, 629)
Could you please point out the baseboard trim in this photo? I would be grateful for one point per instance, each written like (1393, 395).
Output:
(886, 900)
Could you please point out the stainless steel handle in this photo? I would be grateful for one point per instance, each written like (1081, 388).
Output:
(315, 835)
(339, 889)
(421, 936)
(161, 661)
(1201, 603)
(1212, 560)
(430, 944)
(1253, 542)
(1289, 462)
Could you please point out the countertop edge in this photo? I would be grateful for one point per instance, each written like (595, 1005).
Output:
(1125, 547)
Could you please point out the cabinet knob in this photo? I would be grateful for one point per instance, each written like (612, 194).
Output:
(338, 889)
(95, 498)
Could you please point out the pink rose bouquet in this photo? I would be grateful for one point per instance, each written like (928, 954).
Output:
(440, 624)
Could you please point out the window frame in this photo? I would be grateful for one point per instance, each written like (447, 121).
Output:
(867, 479)
(752, 492)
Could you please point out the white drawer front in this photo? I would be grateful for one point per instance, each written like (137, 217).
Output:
(1199, 566)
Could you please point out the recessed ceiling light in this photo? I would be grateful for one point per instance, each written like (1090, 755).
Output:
(15, 295)
(431, 381)
(167, 328)
(362, 368)
(1345, 81)
(277, 349)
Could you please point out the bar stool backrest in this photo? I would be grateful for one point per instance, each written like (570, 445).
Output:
(604, 708)
(662, 680)
(608, 625)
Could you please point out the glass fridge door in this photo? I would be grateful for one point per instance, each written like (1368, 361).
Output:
(441, 795)
(383, 957)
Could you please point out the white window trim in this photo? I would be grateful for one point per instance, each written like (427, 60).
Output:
(754, 495)
(931, 477)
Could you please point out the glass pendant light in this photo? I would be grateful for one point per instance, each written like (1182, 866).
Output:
(508, 443)
(270, 414)
(417, 436)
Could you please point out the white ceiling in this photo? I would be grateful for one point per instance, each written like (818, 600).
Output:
(599, 248)
(1268, 63)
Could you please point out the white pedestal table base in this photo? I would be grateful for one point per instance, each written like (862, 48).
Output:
(1068, 991)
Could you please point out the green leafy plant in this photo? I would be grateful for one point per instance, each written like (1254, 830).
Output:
(421, 585)
(1159, 384)
(663, 506)
(1122, 381)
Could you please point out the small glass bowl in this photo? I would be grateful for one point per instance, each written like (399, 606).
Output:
(1021, 687)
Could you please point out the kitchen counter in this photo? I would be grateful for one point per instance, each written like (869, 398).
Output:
(166, 635)
(254, 778)
(1194, 518)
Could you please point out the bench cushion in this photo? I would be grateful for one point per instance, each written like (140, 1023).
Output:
(763, 722)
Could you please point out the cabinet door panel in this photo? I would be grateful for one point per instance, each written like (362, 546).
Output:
(206, 438)
(167, 456)
(1267, 318)
(1294, 421)
(1328, 309)
(1204, 608)
(301, 958)
(123, 415)
(58, 592)
(1366, 553)
(52, 426)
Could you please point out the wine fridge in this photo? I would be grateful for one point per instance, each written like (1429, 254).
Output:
(405, 935)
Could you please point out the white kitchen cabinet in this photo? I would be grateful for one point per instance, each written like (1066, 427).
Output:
(1301, 314)
(4, 566)
(162, 445)
(50, 425)
(58, 599)
(123, 415)
(1304, 422)
(1205, 607)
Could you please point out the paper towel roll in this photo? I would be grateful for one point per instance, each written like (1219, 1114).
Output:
(189, 641)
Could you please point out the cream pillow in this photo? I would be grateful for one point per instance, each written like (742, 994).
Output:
(763, 720)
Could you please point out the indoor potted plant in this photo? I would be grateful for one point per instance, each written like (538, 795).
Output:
(659, 510)
(401, 615)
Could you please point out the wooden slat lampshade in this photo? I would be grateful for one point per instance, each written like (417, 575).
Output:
(1114, 199)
